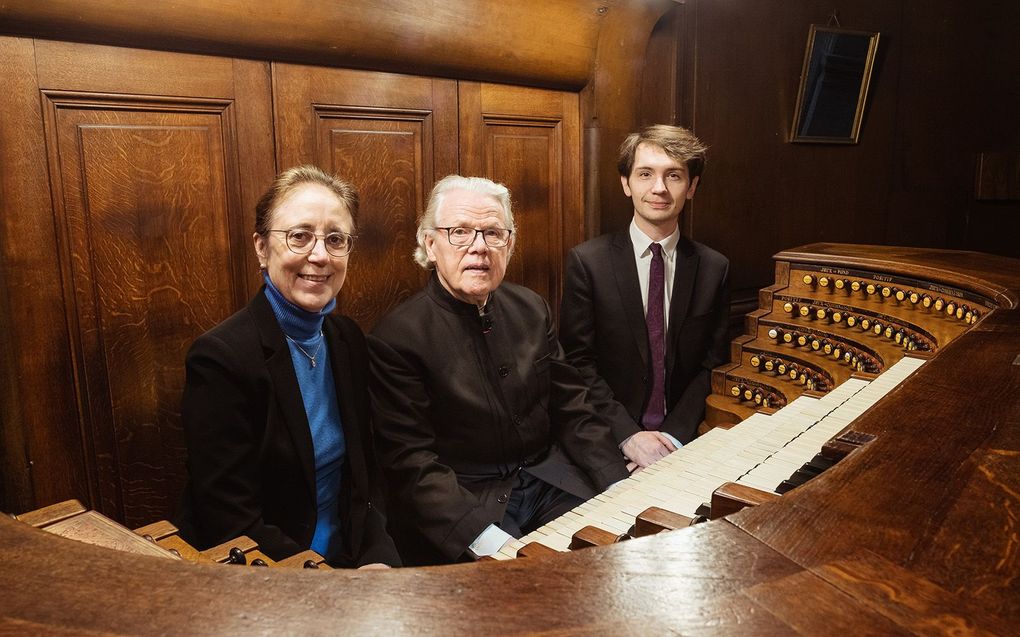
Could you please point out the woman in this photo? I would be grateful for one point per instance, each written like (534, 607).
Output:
(275, 405)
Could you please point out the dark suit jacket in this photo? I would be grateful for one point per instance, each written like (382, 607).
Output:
(603, 331)
(458, 411)
(251, 467)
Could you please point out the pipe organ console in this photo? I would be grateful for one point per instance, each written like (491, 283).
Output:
(825, 321)
(901, 364)
(830, 339)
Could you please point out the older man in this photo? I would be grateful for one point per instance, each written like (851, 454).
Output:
(483, 429)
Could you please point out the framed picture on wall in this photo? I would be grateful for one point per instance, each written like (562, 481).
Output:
(833, 85)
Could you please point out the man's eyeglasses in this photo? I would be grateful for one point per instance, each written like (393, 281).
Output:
(463, 236)
(338, 244)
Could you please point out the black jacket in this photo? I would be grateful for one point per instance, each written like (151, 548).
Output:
(251, 467)
(603, 331)
(463, 401)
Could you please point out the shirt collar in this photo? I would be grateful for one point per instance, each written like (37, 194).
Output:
(641, 242)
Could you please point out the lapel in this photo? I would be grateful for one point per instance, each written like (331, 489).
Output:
(285, 386)
(625, 271)
(680, 301)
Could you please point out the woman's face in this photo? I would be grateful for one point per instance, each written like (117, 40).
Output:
(312, 280)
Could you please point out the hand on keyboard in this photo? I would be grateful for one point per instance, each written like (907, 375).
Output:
(646, 447)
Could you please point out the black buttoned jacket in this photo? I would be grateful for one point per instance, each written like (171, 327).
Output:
(464, 400)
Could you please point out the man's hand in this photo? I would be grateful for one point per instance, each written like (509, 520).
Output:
(646, 447)
(374, 566)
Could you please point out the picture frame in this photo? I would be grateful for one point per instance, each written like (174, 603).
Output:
(834, 85)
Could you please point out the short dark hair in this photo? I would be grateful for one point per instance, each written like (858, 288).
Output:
(289, 180)
(678, 142)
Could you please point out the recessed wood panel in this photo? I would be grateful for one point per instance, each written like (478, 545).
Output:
(526, 156)
(138, 171)
(529, 140)
(147, 202)
(389, 154)
(392, 136)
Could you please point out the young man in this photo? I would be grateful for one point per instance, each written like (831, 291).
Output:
(645, 310)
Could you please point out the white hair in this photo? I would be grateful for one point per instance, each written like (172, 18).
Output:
(427, 222)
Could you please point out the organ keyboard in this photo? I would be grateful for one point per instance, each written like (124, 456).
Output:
(760, 452)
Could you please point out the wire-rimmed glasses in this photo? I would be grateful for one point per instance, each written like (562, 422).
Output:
(301, 241)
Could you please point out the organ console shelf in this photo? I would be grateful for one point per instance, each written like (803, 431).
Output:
(70, 519)
(831, 321)
(913, 532)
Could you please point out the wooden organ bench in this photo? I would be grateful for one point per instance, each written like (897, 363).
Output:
(913, 531)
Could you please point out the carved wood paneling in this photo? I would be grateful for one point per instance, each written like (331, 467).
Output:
(138, 172)
(146, 192)
(393, 137)
(388, 151)
(154, 163)
(528, 139)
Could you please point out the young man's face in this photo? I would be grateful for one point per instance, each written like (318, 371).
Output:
(659, 187)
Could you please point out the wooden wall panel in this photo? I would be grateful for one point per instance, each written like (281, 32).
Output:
(145, 199)
(393, 137)
(144, 194)
(529, 140)
(943, 92)
(390, 157)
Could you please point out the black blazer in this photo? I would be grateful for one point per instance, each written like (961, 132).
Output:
(251, 467)
(463, 401)
(603, 331)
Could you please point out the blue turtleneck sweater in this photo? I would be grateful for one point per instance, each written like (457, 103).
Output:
(318, 392)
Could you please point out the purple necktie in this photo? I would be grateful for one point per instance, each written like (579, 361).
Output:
(656, 321)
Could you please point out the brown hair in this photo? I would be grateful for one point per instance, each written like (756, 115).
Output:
(679, 143)
(289, 180)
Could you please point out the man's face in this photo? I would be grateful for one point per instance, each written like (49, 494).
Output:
(659, 186)
(469, 272)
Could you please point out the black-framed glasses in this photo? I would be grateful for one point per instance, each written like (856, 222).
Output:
(300, 241)
(463, 236)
